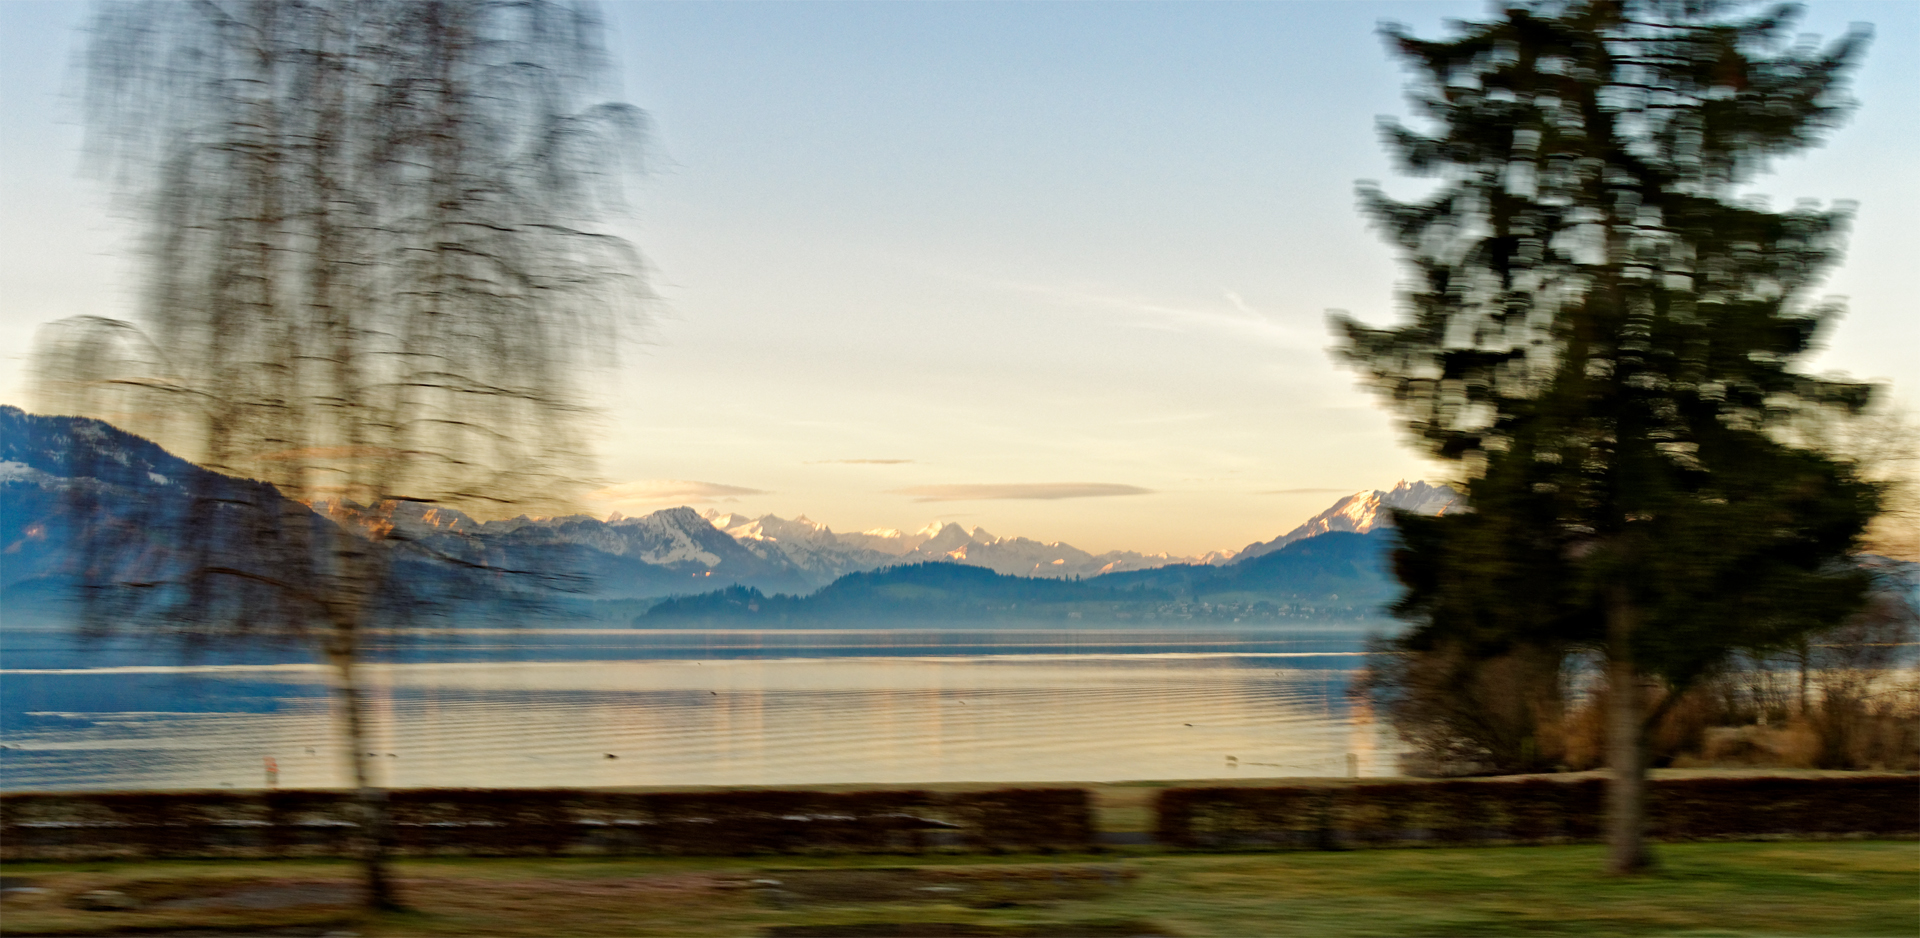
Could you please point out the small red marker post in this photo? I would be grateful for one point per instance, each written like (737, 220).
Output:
(273, 773)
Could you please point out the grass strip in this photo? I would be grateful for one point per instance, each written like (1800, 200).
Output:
(1776, 888)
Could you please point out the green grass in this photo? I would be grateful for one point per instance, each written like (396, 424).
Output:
(1703, 889)
(1787, 888)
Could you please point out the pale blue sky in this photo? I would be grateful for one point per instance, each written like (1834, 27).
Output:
(1010, 243)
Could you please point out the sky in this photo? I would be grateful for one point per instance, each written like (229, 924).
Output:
(1058, 270)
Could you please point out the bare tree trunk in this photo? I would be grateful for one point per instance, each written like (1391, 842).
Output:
(370, 799)
(1803, 654)
(1626, 750)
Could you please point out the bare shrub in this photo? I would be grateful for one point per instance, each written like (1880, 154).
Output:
(1848, 698)
(1865, 708)
(1468, 715)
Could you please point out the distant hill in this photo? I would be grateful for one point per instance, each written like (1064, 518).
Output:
(1352, 567)
(1331, 577)
(66, 478)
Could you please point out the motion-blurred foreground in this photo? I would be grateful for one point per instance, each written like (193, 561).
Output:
(340, 447)
(374, 271)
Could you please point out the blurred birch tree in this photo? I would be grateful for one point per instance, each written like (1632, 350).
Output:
(1603, 332)
(375, 269)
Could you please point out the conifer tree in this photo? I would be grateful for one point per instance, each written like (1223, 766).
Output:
(1603, 333)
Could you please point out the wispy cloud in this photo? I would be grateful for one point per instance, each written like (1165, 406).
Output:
(1044, 491)
(859, 462)
(1236, 317)
(670, 492)
(1305, 492)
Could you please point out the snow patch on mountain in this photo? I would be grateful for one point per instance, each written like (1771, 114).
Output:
(809, 546)
(11, 471)
(1366, 511)
(820, 551)
(672, 537)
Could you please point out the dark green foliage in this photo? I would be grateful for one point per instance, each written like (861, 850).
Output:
(1023, 819)
(541, 822)
(1605, 337)
(504, 822)
(1530, 811)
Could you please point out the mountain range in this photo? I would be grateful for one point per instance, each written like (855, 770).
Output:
(673, 552)
(813, 546)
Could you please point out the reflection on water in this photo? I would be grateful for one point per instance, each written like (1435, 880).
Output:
(871, 719)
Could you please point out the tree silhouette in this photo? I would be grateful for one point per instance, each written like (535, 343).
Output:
(1603, 334)
(374, 273)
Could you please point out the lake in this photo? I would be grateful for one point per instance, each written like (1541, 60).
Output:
(606, 707)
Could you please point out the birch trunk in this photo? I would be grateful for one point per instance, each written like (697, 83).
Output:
(370, 799)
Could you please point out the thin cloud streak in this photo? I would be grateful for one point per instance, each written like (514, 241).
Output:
(1043, 491)
(1242, 320)
(1305, 492)
(670, 492)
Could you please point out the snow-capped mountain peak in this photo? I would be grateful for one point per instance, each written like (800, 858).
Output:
(1367, 510)
(944, 538)
(718, 520)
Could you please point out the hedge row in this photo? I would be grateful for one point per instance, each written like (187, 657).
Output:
(502, 822)
(1531, 811)
(569, 821)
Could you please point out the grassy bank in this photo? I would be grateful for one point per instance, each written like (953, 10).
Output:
(1828, 888)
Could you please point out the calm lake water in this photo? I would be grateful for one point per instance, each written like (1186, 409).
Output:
(549, 707)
